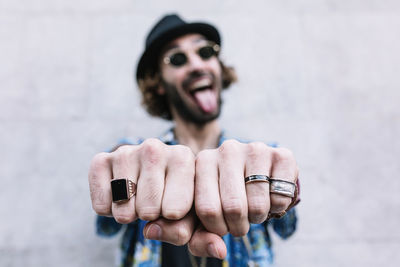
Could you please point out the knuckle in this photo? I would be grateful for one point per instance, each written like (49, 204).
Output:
(148, 213)
(182, 155)
(122, 154)
(102, 209)
(152, 144)
(152, 150)
(184, 150)
(230, 147)
(124, 218)
(257, 149)
(183, 236)
(283, 154)
(122, 149)
(207, 211)
(205, 159)
(234, 209)
(205, 155)
(100, 160)
(258, 208)
(174, 214)
(279, 203)
(240, 231)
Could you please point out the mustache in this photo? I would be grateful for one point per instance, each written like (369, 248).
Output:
(196, 75)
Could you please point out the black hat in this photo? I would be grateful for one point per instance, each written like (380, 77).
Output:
(167, 29)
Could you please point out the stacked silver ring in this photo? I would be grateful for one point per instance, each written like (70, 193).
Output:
(256, 178)
(282, 187)
(277, 186)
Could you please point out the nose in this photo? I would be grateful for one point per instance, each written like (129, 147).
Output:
(195, 62)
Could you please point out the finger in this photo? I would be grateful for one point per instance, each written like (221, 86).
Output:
(284, 167)
(176, 232)
(207, 199)
(100, 175)
(179, 183)
(232, 189)
(150, 187)
(125, 165)
(258, 162)
(206, 244)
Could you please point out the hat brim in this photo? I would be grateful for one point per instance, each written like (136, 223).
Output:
(148, 60)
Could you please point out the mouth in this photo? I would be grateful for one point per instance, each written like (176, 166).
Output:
(203, 92)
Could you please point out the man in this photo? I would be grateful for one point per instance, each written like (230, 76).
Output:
(213, 194)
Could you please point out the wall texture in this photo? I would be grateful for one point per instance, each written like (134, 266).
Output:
(319, 76)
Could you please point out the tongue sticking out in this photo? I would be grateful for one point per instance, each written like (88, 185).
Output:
(206, 99)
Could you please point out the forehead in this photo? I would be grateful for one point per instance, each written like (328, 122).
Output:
(184, 41)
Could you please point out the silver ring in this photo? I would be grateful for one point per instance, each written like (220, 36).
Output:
(256, 178)
(282, 187)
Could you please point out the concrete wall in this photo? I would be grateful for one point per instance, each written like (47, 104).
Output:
(319, 76)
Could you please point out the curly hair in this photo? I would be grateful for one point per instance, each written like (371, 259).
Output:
(157, 104)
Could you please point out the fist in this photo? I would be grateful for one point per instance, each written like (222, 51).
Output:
(223, 202)
(164, 176)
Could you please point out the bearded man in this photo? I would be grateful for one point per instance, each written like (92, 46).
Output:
(192, 197)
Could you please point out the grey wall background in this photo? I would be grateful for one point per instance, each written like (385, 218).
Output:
(321, 77)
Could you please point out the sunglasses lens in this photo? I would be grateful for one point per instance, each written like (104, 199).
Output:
(206, 52)
(178, 59)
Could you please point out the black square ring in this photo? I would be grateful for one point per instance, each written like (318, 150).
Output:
(122, 189)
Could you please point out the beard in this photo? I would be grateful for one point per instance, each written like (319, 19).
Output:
(187, 113)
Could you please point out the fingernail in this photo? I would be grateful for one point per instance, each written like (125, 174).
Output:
(212, 251)
(153, 232)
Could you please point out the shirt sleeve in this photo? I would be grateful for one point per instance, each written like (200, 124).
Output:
(107, 226)
(286, 225)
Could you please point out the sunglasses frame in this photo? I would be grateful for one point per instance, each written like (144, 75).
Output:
(214, 46)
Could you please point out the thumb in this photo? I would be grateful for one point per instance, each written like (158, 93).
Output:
(206, 244)
(176, 232)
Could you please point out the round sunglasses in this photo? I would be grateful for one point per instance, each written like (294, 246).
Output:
(180, 58)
